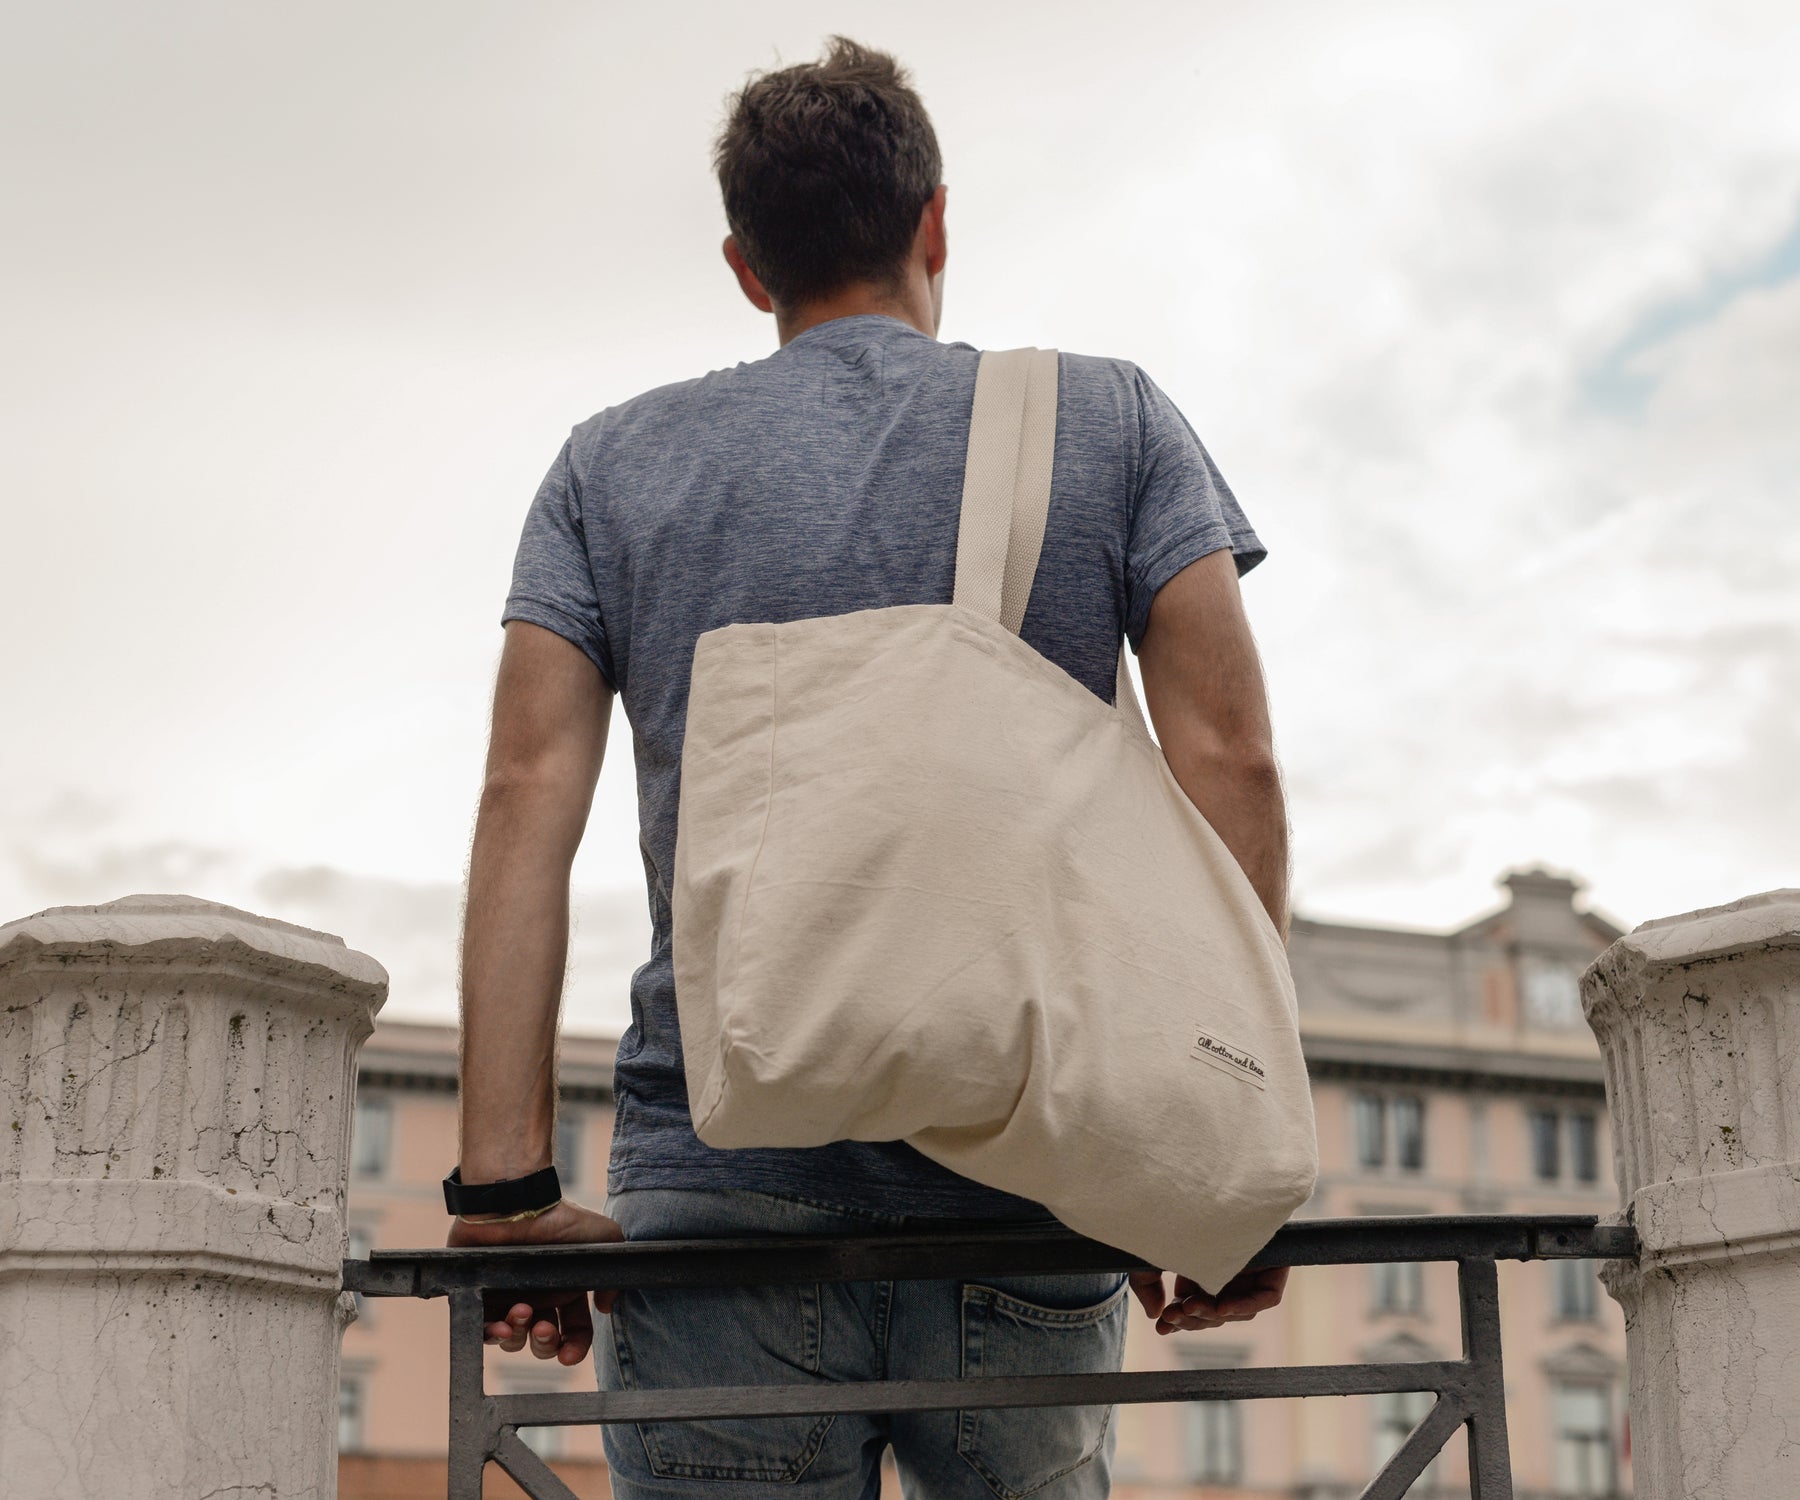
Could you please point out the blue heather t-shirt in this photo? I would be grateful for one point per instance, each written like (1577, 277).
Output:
(824, 479)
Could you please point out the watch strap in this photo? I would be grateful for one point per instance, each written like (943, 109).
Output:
(529, 1194)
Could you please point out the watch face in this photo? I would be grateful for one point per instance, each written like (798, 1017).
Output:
(1552, 994)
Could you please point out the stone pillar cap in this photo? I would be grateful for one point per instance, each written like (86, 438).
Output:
(186, 928)
(1771, 919)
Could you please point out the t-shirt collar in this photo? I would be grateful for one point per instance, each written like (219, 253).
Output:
(854, 330)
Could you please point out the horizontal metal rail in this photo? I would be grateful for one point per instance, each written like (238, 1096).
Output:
(662, 1264)
(1470, 1390)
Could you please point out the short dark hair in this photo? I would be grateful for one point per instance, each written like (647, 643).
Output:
(825, 167)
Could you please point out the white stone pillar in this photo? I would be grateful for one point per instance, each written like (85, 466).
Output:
(176, 1081)
(1699, 1020)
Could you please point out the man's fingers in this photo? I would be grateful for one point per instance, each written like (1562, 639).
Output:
(1252, 1293)
(1186, 1317)
(557, 1324)
(1147, 1287)
(1239, 1309)
(1187, 1323)
(1247, 1295)
(512, 1329)
(577, 1330)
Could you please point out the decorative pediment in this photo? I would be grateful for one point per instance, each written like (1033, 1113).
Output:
(1398, 1349)
(1375, 990)
(1210, 1356)
(1581, 1363)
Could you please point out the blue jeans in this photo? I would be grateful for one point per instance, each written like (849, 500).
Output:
(853, 1331)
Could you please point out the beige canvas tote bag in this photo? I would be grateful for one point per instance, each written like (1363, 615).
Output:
(929, 887)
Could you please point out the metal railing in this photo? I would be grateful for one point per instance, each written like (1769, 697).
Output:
(1470, 1390)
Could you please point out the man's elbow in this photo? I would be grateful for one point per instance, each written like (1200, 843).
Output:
(516, 781)
(1251, 773)
(539, 800)
(1246, 760)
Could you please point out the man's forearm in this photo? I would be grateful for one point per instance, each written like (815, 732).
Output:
(1243, 801)
(515, 950)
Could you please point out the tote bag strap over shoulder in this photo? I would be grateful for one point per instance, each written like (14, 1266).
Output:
(1006, 492)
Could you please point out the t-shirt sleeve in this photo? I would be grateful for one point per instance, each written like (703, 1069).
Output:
(553, 576)
(1181, 509)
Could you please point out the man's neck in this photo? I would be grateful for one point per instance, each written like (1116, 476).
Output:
(913, 310)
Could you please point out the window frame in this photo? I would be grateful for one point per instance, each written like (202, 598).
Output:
(1368, 1125)
(1545, 1143)
(1582, 1279)
(1415, 1105)
(354, 1412)
(1583, 1132)
(1392, 1408)
(1205, 1424)
(1565, 1482)
(547, 1442)
(372, 1106)
(1399, 1288)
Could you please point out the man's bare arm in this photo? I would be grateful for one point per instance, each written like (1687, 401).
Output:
(1203, 684)
(1204, 687)
(551, 710)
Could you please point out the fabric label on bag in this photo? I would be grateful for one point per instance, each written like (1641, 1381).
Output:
(1233, 1060)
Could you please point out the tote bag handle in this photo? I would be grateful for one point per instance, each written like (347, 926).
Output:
(1006, 493)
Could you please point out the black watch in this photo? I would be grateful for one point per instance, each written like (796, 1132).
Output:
(516, 1195)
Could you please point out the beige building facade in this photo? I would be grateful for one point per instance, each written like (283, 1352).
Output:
(1453, 1074)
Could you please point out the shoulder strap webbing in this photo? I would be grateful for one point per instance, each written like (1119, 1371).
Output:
(1006, 491)
(1006, 482)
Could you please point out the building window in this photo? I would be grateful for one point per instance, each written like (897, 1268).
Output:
(1584, 1464)
(1371, 1129)
(1399, 1287)
(1577, 1296)
(546, 1442)
(371, 1137)
(1564, 1146)
(1215, 1442)
(1409, 1132)
(1584, 1147)
(1396, 1414)
(1546, 1145)
(571, 1124)
(1377, 1119)
(1552, 995)
(350, 1414)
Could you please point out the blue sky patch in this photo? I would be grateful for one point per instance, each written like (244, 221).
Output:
(1615, 384)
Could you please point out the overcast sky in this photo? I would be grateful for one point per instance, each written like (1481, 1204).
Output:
(1490, 314)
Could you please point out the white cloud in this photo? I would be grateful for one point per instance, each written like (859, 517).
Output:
(74, 855)
(301, 306)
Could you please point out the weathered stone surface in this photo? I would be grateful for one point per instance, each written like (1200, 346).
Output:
(1699, 1020)
(176, 1080)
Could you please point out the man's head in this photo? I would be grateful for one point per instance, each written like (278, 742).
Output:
(830, 173)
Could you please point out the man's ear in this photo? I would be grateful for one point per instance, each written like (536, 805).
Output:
(746, 278)
(931, 227)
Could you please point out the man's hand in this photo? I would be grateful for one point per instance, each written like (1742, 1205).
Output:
(557, 1325)
(1239, 1300)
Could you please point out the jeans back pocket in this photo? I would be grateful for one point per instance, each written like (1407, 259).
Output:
(744, 1336)
(1039, 1326)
